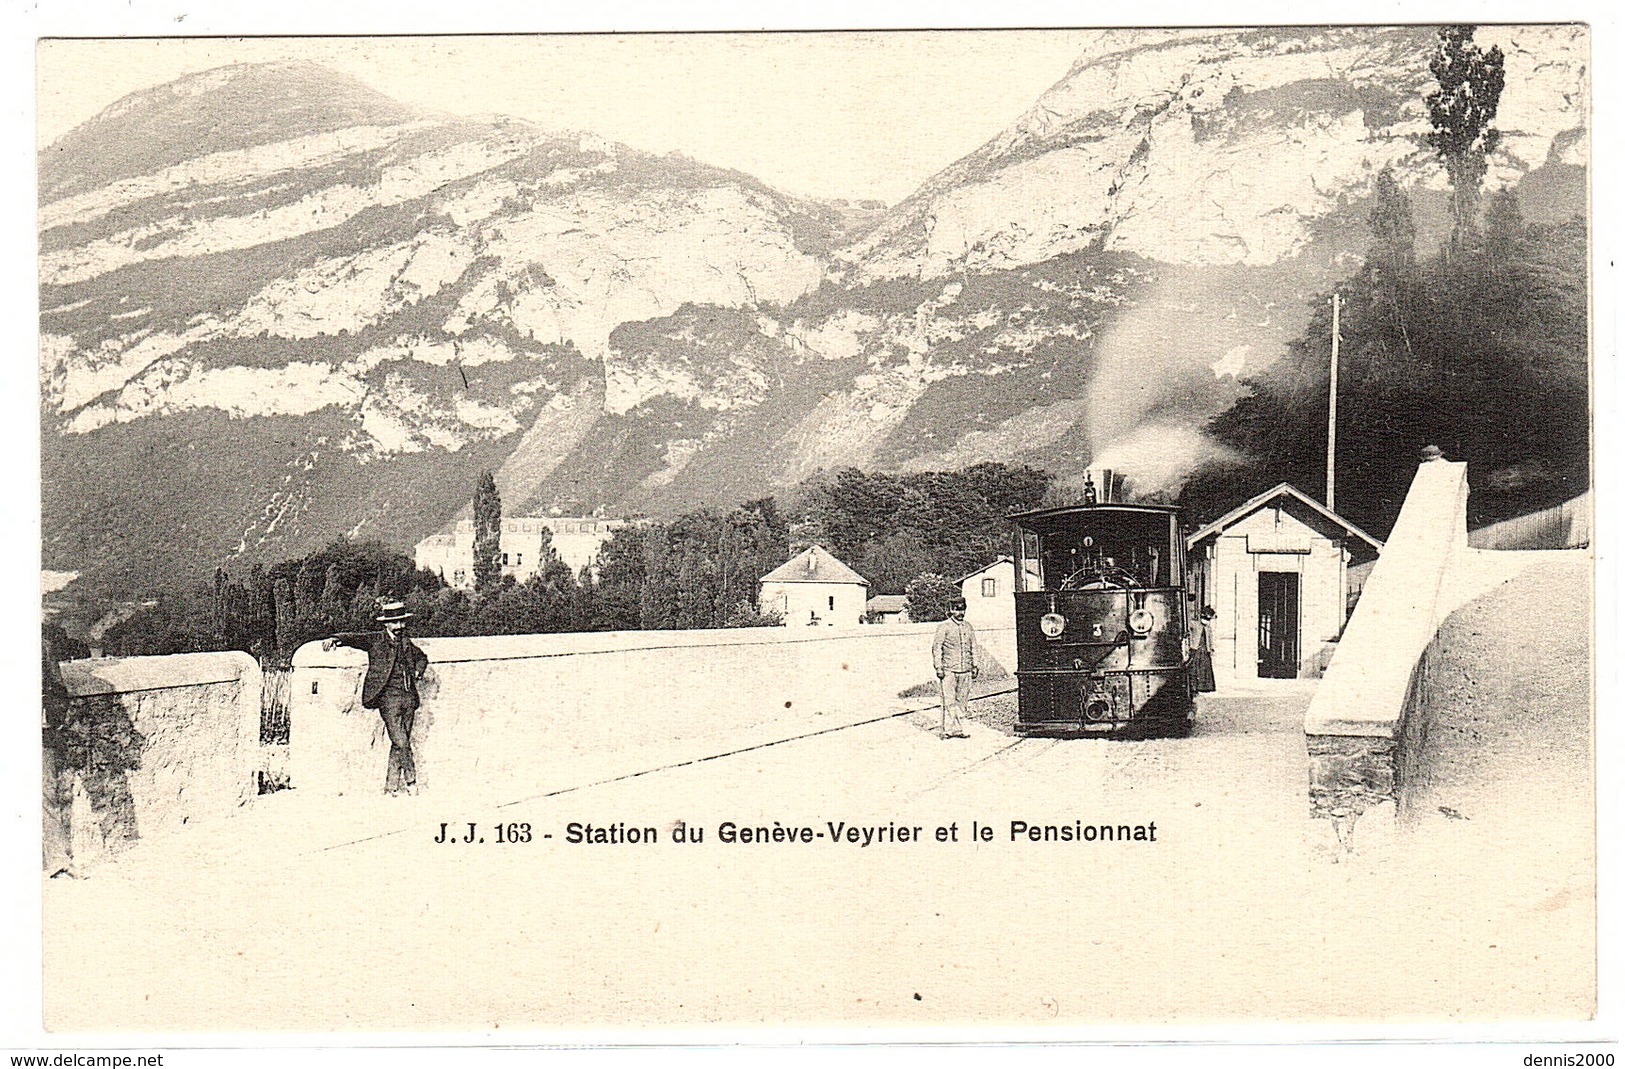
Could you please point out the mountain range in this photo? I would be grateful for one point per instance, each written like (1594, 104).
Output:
(277, 307)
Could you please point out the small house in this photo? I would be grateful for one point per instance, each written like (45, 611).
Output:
(990, 595)
(814, 588)
(887, 609)
(1276, 570)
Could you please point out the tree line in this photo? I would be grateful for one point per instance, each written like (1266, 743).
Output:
(1480, 348)
(907, 534)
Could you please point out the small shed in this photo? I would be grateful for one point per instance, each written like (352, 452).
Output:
(990, 595)
(815, 588)
(888, 609)
(1276, 570)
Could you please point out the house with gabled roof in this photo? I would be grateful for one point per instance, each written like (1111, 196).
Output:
(1277, 572)
(814, 588)
(990, 595)
(887, 609)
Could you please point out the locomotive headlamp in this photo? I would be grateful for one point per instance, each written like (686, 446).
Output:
(1052, 624)
(1140, 622)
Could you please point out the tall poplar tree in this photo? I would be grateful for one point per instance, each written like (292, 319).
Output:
(487, 535)
(1461, 110)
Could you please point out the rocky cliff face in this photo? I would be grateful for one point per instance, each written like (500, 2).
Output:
(277, 307)
(1205, 148)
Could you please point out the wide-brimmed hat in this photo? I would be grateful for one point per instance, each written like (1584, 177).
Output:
(392, 612)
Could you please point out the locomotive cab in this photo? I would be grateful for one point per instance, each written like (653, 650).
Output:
(1102, 640)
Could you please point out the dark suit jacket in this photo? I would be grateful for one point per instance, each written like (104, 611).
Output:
(381, 656)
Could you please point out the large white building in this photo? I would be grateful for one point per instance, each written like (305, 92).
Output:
(813, 587)
(576, 539)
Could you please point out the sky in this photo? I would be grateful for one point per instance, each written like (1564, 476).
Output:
(837, 114)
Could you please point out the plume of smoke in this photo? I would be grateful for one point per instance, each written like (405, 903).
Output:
(1155, 459)
(1167, 366)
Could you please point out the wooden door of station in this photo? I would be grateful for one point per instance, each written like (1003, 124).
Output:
(1278, 625)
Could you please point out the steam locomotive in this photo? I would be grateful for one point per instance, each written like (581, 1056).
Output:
(1102, 631)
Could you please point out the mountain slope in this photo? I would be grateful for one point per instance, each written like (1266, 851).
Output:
(1203, 147)
(275, 325)
(402, 287)
(148, 132)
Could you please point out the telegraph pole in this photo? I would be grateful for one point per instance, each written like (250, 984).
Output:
(1331, 416)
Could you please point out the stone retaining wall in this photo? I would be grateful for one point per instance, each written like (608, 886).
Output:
(1565, 526)
(174, 740)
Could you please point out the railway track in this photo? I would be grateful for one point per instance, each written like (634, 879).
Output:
(695, 761)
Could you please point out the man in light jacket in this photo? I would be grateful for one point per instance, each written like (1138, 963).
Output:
(953, 655)
(394, 666)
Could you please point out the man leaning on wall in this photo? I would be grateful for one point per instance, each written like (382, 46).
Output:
(394, 666)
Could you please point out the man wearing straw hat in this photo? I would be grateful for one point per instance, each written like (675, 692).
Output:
(394, 666)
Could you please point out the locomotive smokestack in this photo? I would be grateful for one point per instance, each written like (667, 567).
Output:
(1108, 485)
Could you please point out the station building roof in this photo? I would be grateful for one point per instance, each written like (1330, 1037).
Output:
(989, 566)
(1327, 517)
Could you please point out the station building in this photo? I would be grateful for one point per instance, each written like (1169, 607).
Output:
(1281, 570)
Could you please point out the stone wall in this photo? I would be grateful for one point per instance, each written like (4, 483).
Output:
(172, 741)
(1367, 720)
(513, 716)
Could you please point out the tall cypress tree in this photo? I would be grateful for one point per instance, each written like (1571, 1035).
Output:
(1391, 262)
(487, 534)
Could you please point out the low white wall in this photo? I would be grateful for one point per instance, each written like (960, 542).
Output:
(505, 717)
(198, 719)
(1365, 689)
